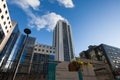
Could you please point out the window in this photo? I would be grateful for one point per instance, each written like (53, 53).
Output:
(6, 12)
(4, 22)
(35, 49)
(46, 50)
(2, 35)
(43, 50)
(0, 10)
(4, 6)
(7, 18)
(2, 17)
(9, 22)
(6, 27)
(7, 31)
(39, 49)
(50, 47)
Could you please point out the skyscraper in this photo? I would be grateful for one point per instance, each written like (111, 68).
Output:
(62, 41)
(6, 25)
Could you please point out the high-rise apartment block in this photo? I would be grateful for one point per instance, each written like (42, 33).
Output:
(62, 41)
(6, 25)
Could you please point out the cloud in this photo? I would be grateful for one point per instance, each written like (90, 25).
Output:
(66, 3)
(46, 21)
(25, 4)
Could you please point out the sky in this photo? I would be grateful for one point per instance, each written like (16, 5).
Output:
(92, 21)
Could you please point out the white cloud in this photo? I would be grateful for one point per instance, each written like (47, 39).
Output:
(66, 3)
(46, 21)
(25, 4)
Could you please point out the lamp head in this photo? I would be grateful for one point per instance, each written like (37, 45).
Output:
(27, 31)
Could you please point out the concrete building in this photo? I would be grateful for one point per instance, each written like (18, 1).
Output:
(62, 41)
(106, 53)
(44, 49)
(6, 25)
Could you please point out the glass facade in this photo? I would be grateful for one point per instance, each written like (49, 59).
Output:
(2, 35)
(65, 42)
(27, 54)
(9, 50)
(110, 55)
(113, 56)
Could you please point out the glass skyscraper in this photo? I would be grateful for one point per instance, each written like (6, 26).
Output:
(62, 41)
(9, 48)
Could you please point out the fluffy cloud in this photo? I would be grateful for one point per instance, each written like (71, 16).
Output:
(66, 3)
(25, 4)
(48, 20)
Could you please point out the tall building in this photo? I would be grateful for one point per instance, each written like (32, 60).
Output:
(27, 54)
(106, 53)
(62, 41)
(6, 25)
(10, 49)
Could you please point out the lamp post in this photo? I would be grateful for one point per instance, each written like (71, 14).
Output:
(27, 31)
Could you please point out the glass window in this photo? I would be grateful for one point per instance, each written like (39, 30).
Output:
(2, 17)
(0, 10)
(39, 49)
(6, 12)
(2, 35)
(7, 18)
(4, 6)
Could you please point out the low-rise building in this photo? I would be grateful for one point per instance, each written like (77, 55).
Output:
(106, 53)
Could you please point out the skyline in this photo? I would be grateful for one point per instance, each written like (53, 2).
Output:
(93, 22)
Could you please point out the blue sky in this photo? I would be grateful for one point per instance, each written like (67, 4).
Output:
(93, 21)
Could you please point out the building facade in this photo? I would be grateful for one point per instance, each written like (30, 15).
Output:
(6, 55)
(62, 41)
(106, 53)
(6, 25)
(27, 54)
(42, 54)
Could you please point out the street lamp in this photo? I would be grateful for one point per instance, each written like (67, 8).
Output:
(26, 31)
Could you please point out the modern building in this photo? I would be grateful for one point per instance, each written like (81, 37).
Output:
(6, 25)
(62, 41)
(27, 54)
(42, 54)
(34, 63)
(106, 53)
(44, 49)
(10, 49)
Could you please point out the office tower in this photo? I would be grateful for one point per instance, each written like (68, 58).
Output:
(62, 41)
(6, 25)
(106, 53)
(6, 55)
(27, 54)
